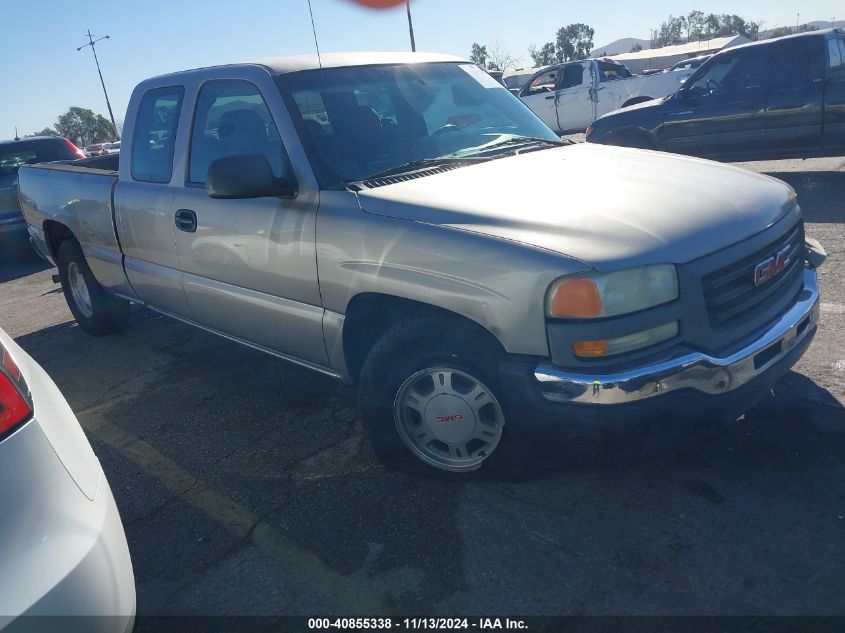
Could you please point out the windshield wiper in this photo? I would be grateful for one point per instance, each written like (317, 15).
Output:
(515, 140)
(415, 165)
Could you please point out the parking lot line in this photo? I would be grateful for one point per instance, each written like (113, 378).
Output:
(338, 591)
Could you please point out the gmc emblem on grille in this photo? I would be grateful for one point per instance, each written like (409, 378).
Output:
(772, 267)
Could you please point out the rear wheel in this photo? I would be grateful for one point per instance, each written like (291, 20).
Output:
(429, 397)
(96, 311)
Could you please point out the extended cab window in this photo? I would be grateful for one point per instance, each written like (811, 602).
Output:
(609, 71)
(573, 75)
(232, 118)
(155, 134)
(796, 63)
(836, 53)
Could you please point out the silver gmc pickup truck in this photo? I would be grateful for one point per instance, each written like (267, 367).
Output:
(403, 222)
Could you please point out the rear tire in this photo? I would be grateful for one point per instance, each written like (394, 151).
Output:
(430, 400)
(96, 310)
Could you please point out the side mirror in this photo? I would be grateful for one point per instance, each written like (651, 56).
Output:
(246, 176)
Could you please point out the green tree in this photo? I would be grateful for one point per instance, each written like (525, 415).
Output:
(695, 25)
(573, 42)
(478, 55)
(669, 32)
(636, 48)
(544, 56)
(83, 127)
(47, 131)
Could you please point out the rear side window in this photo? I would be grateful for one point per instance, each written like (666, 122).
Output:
(796, 63)
(155, 134)
(609, 71)
(232, 118)
(836, 53)
(573, 75)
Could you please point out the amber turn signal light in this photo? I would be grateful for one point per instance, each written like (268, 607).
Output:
(590, 349)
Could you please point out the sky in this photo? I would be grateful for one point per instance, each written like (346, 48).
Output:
(43, 74)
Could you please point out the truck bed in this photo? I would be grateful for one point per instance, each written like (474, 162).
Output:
(79, 197)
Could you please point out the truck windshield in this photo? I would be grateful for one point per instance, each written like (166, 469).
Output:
(359, 121)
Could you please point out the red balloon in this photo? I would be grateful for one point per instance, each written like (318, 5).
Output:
(379, 4)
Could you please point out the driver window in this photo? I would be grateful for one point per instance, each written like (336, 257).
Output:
(232, 118)
(544, 82)
(730, 76)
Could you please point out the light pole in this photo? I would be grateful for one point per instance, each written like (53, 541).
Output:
(91, 43)
(410, 26)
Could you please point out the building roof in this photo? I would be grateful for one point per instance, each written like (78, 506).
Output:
(692, 48)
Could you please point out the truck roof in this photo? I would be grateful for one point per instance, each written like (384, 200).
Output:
(295, 63)
(793, 36)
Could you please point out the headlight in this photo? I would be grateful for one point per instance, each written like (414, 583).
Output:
(595, 295)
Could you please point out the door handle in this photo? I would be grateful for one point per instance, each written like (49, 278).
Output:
(551, 97)
(186, 220)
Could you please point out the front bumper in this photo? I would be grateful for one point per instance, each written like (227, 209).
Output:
(696, 371)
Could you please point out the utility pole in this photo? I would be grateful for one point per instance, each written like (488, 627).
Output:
(410, 26)
(91, 43)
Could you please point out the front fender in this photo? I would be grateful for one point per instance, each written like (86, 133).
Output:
(499, 284)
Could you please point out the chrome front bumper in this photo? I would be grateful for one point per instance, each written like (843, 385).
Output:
(698, 371)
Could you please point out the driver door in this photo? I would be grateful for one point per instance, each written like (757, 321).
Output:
(539, 95)
(722, 109)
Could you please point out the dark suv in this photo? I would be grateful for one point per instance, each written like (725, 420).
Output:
(13, 154)
(772, 99)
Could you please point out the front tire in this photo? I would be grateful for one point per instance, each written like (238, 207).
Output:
(97, 312)
(429, 398)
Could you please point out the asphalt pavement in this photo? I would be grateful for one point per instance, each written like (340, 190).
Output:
(246, 486)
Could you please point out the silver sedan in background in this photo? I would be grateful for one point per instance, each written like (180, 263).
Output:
(63, 551)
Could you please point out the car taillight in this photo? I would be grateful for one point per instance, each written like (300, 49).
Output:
(14, 405)
(75, 149)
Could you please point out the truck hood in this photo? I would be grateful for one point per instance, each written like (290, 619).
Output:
(609, 207)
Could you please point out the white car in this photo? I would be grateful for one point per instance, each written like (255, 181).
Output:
(64, 551)
(112, 148)
(570, 96)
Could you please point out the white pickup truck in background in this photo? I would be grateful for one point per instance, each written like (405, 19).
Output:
(570, 96)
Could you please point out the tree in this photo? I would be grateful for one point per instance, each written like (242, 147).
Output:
(574, 42)
(669, 32)
(478, 55)
(696, 25)
(636, 48)
(83, 127)
(544, 56)
(47, 131)
(499, 58)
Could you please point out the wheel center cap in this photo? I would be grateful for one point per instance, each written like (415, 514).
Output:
(449, 417)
